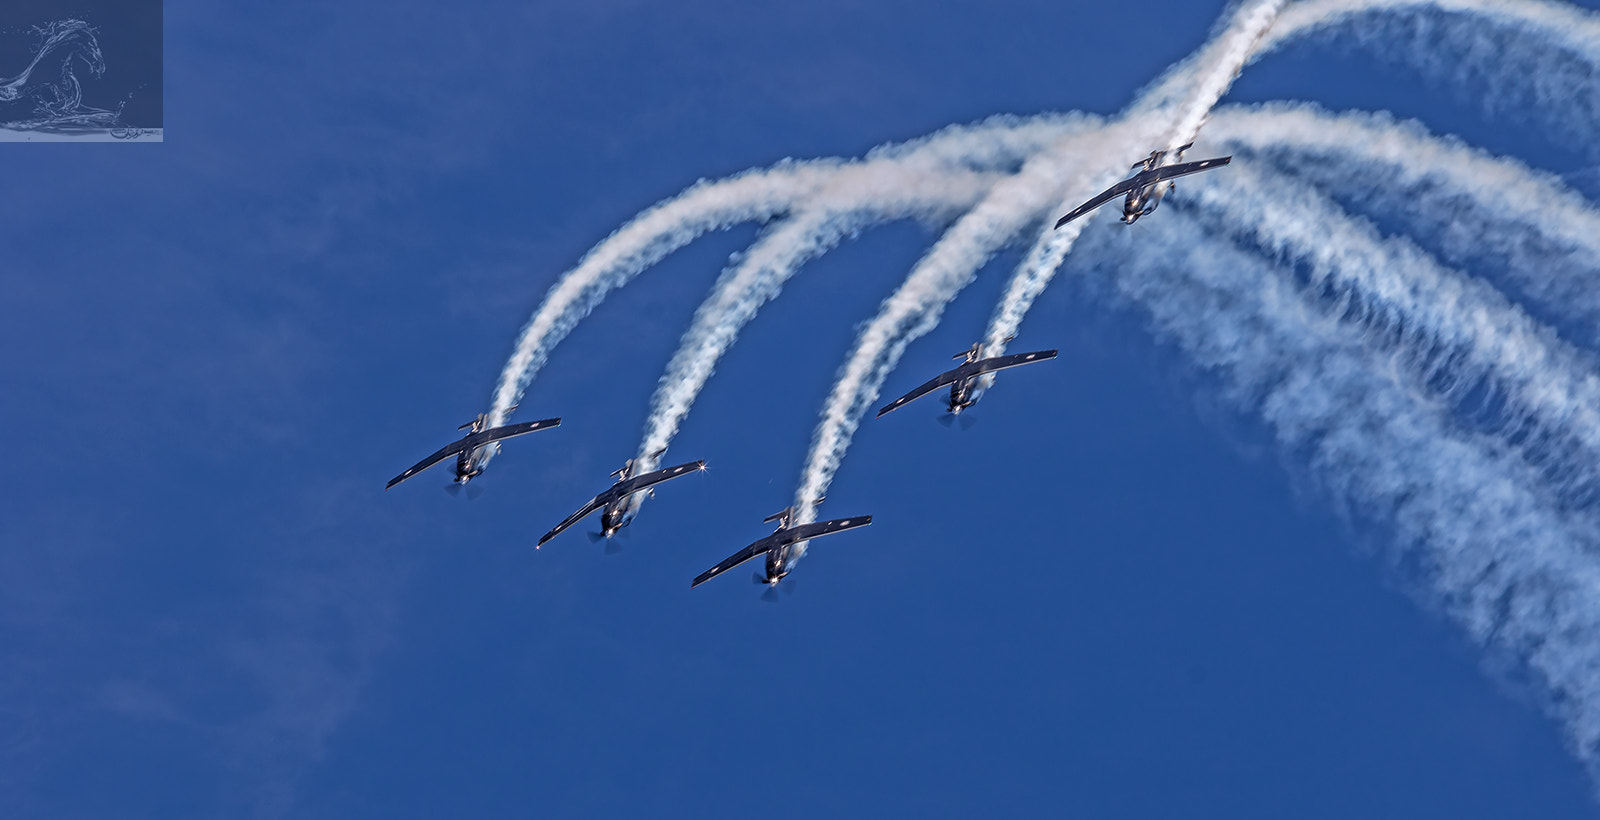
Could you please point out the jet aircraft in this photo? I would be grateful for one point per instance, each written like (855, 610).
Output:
(779, 548)
(473, 452)
(1146, 188)
(966, 383)
(620, 501)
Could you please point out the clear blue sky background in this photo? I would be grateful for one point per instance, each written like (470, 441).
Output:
(1104, 601)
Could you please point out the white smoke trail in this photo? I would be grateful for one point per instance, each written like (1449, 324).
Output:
(1465, 514)
(1452, 327)
(758, 195)
(856, 197)
(1561, 24)
(754, 195)
(1576, 32)
(915, 307)
(1232, 49)
(1467, 508)
(1527, 56)
(1541, 239)
(1214, 69)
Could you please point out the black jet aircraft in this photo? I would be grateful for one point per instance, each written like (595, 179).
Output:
(621, 499)
(966, 382)
(779, 548)
(474, 451)
(1146, 188)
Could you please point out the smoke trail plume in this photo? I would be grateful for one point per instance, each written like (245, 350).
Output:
(1218, 69)
(1215, 68)
(858, 196)
(1526, 56)
(1359, 351)
(915, 307)
(1467, 516)
(759, 195)
(1451, 329)
(1534, 236)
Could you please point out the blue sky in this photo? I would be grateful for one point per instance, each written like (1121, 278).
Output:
(1108, 599)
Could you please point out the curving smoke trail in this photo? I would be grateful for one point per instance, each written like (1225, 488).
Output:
(1539, 239)
(1480, 527)
(1362, 352)
(754, 196)
(1219, 65)
(1450, 329)
(915, 307)
(1071, 169)
(1214, 69)
(1474, 520)
(1532, 57)
(1267, 26)
(862, 195)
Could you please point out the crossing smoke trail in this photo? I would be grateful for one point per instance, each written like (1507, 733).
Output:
(1530, 232)
(1216, 67)
(754, 196)
(1270, 26)
(915, 307)
(859, 196)
(1359, 351)
(1532, 57)
(1068, 169)
(1452, 330)
(1466, 516)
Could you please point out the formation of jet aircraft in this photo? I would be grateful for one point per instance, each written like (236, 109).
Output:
(1146, 188)
(619, 503)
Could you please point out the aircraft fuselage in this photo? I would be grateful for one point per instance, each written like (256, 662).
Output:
(778, 564)
(618, 514)
(1146, 198)
(470, 463)
(965, 393)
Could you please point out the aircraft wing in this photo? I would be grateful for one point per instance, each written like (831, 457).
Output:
(638, 483)
(594, 504)
(1184, 169)
(758, 548)
(947, 377)
(1105, 196)
(444, 452)
(806, 532)
(1014, 360)
(513, 430)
